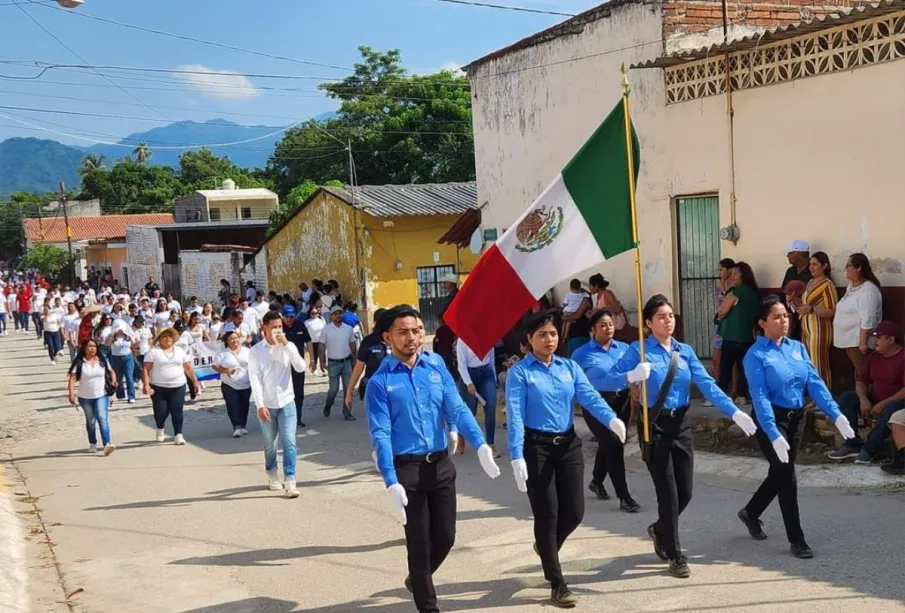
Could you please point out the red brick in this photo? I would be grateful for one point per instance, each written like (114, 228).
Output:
(788, 15)
(769, 23)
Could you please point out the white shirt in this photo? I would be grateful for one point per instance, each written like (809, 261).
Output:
(122, 344)
(216, 330)
(91, 383)
(143, 337)
(185, 341)
(315, 327)
(466, 359)
(250, 294)
(168, 370)
(337, 340)
(71, 323)
(52, 322)
(327, 301)
(239, 361)
(162, 320)
(270, 376)
(243, 330)
(861, 308)
(13, 301)
(251, 318)
(104, 335)
(262, 308)
(4, 307)
(174, 305)
(571, 302)
(194, 309)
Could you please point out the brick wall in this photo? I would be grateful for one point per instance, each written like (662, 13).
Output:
(694, 16)
(200, 273)
(144, 255)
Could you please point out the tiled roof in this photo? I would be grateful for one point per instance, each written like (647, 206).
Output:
(89, 228)
(420, 199)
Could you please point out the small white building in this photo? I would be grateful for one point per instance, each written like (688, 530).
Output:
(228, 203)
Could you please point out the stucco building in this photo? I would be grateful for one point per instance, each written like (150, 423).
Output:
(226, 204)
(395, 229)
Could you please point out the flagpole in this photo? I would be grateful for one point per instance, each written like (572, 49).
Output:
(629, 148)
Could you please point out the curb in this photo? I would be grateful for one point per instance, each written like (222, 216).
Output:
(13, 560)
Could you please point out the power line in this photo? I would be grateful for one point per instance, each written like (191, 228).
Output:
(507, 8)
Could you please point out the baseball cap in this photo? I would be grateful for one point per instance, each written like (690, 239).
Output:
(798, 245)
(336, 308)
(288, 310)
(887, 328)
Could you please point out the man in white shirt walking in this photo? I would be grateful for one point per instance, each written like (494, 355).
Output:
(339, 339)
(269, 365)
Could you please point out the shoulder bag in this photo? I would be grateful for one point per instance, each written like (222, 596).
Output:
(647, 448)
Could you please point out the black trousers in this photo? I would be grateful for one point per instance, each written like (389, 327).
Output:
(610, 458)
(298, 387)
(781, 480)
(672, 470)
(556, 493)
(733, 353)
(430, 528)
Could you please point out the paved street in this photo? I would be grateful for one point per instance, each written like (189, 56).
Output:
(161, 529)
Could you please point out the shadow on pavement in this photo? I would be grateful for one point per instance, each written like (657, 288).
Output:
(269, 557)
(216, 496)
(261, 604)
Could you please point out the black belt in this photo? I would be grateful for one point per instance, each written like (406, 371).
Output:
(429, 458)
(340, 360)
(550, 438)
(673, 413)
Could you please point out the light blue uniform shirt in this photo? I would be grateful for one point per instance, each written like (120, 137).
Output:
(597, 363)
(779, 375)
(408, 409)
(689, 370)
(540, 396)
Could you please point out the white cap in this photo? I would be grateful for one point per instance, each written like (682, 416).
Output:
(454, 279)
(798, 245)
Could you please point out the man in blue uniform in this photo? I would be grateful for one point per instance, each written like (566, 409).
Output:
(410, 399)
(297, 334)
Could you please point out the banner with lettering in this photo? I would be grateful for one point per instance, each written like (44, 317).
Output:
(203, 359)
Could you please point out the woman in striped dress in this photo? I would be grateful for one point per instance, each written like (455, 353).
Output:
(818, 306)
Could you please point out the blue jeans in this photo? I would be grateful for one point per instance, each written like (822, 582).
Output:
(237, 403)
(282, 425)
(124, 367)
(139, 365)
(54, 343)
(3, 322)
(336, 370)
(73, 351)
(22, 317)
(851, 408)
(39, 325)
(96, 412)
(484, 380)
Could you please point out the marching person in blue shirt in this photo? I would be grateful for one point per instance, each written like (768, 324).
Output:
(597, 358)
(409, 400)
(546, 453)
(779, 374)
(671, 464)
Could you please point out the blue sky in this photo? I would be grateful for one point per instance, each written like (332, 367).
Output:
(430, 34)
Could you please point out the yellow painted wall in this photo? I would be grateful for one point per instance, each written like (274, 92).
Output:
(102, 257)
(316, 243)
(230, 209)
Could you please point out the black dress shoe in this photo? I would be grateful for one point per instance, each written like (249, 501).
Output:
(563, 597)
(300, 424)
(629, 505)
(678, 568)
(599, 491)
(754, 526)
(408, 584)
(658, 546)
(801, 550)
(326, 411)
(350, 417)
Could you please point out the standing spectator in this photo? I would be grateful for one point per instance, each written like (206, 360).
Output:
(817, 308)
(225, 291)
(896, 466)
(232, 364)
(165, 369)
(304, 297)
(721, 288)
(315, 325)
(859, 310)
(451, 287)
(339, 341)
(478, 377)
(250, 291)
(737, 314)
(879, 392)
(150, 287)
(92, 373)
(799, 255)
(122, 361)
(173, 304)
(298, 335)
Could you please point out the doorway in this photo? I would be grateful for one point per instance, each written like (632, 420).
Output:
(698, 240)
(431, 295)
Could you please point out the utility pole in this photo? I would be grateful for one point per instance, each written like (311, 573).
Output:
(65, 206)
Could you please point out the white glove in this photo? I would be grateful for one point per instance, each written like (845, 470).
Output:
(374, 457)
(520, 470)
(485, 457)
(639, 373)
(845, 428)
(400, 500)
(453, 442)
(744, 421)
(781, 447)
(617, 427)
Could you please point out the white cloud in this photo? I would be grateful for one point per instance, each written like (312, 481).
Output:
(224, 84)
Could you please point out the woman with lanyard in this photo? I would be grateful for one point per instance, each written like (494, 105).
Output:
(546, 453)
(672, 367)
(597, 358)
(780, 373)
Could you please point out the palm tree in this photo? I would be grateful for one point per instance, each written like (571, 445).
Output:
(91, 162)
(141, 153)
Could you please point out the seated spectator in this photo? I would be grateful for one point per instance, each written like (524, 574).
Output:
(897, 426)
(879, 392)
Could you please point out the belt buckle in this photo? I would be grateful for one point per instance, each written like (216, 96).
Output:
(429, 458)
(558, 440)
(672, 412)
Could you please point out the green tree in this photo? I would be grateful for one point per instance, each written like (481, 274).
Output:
(142, 153)
(21, 205)
(49, 259)
(203, 169)
(296, 198)
(90, 163)
(132, 188)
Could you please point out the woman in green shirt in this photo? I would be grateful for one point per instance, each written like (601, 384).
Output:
(737, 315)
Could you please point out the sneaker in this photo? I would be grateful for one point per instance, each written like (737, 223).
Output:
(291, 490)
(895, 466)
(563, 597)
(92, 448)
(741, 400)
(706, 403)
(54, 362)
(350, 417)
(845, 452)
(131, 400)
(242, 432)
(599, 491)
(658, 546)
(754, 526)
(109, 448)
(179, 440)
(678, 568)
(275, 484)
(801, 550)
(865, 458)
(237, 433)
(629, 505)
(161, 436)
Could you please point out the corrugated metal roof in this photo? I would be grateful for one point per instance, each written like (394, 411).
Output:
(95, 227)
(397, 200)
(823, 22)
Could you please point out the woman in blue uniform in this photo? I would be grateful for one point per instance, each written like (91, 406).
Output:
(779, 374)
(671, 464)
(597, 358)
(546, 453)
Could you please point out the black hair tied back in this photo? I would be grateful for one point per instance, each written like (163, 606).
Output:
(535, 322)
(653, 305)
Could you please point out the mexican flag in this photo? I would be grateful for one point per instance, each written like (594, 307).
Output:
(583, 218)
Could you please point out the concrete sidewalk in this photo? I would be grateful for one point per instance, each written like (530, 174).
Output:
(156, 528)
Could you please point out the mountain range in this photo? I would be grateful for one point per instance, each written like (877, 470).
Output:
(32, 164)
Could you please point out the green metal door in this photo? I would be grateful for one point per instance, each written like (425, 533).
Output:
(699, 255)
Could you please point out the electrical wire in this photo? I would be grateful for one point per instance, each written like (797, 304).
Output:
(504, 7)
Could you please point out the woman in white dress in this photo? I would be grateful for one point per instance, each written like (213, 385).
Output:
(859, 310)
